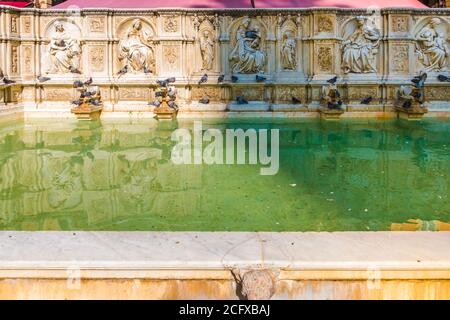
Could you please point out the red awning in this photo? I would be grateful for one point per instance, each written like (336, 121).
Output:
(18, 4)
(238, 3)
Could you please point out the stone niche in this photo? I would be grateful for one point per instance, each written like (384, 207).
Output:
(296, 51)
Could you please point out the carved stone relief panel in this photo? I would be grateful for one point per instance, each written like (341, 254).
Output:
(28, 59)
(137, 46)
(288, 45)
(359, 93)
(207, 49)
(14, 59)
(170, 24)
(286, 93)
(97, 58)
(437, 93)
(58, 94)
(325, 23)
(134, 94)
(360, 46)
(252, 93)
(96, 25)
(63, 53)
(213, 93)
(431, 45)
(26, 24)
(171, 54)
(399, 23)
(248, 53)
(400, 58)
(324, 58)
(14, 24)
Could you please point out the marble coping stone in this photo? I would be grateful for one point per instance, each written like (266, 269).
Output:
(212, 255)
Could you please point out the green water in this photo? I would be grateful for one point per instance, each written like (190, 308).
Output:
(346, 175)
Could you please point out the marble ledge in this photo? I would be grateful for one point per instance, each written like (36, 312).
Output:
(181, 255)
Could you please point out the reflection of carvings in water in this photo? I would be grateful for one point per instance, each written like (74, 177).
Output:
(119, 176)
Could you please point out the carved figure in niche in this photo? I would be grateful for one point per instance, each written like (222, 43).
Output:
(247, 56)
(360, 48)
(207, 51)
(137, 49)
(64, 51)
(288, 52)
(431, 47)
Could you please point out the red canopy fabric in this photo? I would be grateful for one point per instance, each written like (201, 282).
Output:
(238, 3)
(18, 4)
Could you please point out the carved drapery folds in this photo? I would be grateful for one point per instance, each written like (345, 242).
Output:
(431, 46)
(360, 47)
(64, 49)
(206, 29)
(136, 48)
(248, 56)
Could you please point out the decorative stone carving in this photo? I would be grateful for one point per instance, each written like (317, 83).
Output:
(14, 28)
(207, 49)
(431, 47)
(170, 24)
(133, 94)
(58, 94)
(289, 52)
(410, 99)
(253, 94)
(27, 25)
(64, 50)
(14, 59)
(212, 93)
(247, 56)
(97, 58)
(136, 48)
(358, 93)
(324, 24)
(171, 57)
(400, 58)
(97, 25)
(286, 93)
(255, 284)
(27, 62)
(436, 93)
(360, 48)
(325, 58)
(399, 23)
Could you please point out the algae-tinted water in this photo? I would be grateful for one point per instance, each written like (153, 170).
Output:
(346, 175)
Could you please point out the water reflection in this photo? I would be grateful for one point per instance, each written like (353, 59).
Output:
(370, 175)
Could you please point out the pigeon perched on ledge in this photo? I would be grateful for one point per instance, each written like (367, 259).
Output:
(296, 101)
(43, 79)
(78, 84)
(234, 79)
(74, 70)
(260, 78)
(88, 82)
(241, 100)
(443, 78)
(419, 81)
(332, 80)
(77, 102)
(220, 78)
(203, 79)
(122, 71)
(8, 81)
(366, 100)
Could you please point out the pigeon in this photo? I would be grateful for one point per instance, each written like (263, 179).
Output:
(95, 102)
(162, 83)
(241, 100)
(296, 101)
(332, 80)
(204, 100)
(407, 104)
(419, 81)
(443, 78)
(172, 105)
(260, 78)
(122, 71)
(417, 95)
(155, 103)
(203, 79)
(86, 94)
(158, 94)
(74, 70)
(366, 100)
(220, 78)
(252, 34)
(43, 79)
(147, 71)
(77, 102)
(88, 82)
(8, 81)
(171, 80)
(171, 93)
(78, 84)
(234, 79)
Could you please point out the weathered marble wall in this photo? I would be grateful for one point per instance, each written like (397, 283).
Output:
(372, 52)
